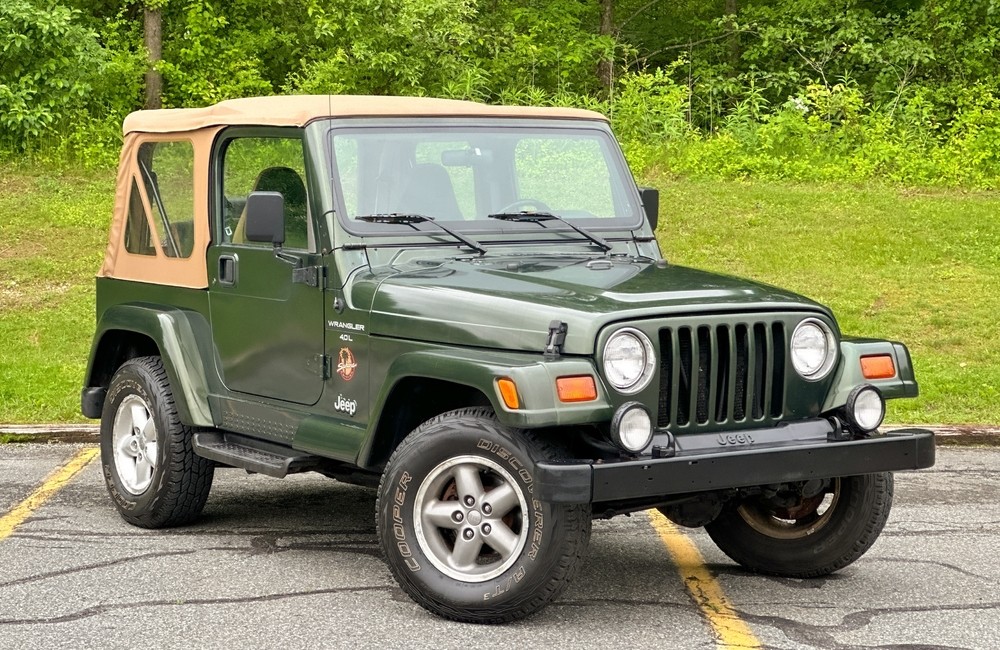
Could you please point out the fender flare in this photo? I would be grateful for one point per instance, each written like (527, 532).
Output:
(848, 374)
(179, 336)
(479, 369)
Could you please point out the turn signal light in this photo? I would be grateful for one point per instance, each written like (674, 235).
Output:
(508, 391)
(576, 389)
(878, 367)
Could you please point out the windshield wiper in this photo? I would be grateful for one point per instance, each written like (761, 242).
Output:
(410, 219)
(539, 217)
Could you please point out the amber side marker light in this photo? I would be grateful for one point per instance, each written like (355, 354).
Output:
(878, 367)
(508, 391)
(576, 389)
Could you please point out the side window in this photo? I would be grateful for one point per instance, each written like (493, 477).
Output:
(167, 173)
(137, 234)
(265, 164)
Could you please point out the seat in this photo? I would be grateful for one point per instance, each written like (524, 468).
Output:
(288, 183)
(428, 191)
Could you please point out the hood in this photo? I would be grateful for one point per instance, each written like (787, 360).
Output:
(509, 302)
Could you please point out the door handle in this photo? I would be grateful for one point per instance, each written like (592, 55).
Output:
(228, 270)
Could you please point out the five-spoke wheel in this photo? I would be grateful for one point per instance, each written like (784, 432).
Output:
(469, 518)
(135, 440)
(463, 527)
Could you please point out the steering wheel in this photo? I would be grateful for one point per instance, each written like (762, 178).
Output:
(516, 206)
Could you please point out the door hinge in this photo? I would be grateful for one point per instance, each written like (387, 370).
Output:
(320, 365)
(312, 276)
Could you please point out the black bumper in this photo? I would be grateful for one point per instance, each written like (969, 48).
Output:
(793, 452)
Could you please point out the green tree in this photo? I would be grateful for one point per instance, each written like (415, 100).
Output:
(47, 63)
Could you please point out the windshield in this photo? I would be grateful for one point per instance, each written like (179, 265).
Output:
(463, 175)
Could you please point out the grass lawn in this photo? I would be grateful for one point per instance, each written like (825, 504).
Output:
(52, 239)
(918, 266)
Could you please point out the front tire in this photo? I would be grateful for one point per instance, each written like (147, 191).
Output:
(811, 538)
(150, 469)
(461, 530)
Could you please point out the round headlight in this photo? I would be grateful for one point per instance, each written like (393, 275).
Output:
(631, 427)
(629, 360)
(813, 349)
(865, 408)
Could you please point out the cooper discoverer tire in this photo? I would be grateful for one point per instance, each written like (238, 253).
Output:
(807, 540)
(460, 528)
(152, 474)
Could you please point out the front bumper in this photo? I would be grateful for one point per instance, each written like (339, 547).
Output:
(790, 452)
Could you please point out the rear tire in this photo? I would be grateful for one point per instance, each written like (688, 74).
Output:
(806, 540)
(150, 469)
(460, 528)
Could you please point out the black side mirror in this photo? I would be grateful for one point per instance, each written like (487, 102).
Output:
(266, 217)
(651, 204)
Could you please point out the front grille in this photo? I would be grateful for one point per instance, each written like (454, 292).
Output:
(722, 374)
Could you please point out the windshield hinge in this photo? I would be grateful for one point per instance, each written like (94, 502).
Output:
(313, 276)
(557, 337)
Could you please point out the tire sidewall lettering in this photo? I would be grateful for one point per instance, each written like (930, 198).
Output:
(398, 525)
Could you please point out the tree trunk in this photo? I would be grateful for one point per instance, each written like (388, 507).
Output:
(732, 10)
(605, 67)
(152, 32)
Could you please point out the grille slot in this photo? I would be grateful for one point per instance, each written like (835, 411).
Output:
(721, 374)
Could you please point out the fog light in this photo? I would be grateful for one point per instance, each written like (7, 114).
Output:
(631, 428)
(865, 408)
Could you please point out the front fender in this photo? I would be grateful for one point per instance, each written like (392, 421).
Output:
(535, 380)
(848, 374)
(480, 369)
(176, 334)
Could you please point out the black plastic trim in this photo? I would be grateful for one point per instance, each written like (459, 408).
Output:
(92, 401)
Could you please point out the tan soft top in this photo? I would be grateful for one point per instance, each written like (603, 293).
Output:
(301, 109)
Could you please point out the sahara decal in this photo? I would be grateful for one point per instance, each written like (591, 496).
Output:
(346, 365)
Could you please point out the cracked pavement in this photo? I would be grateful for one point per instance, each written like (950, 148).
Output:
(294, 562)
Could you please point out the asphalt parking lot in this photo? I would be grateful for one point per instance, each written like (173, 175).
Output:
(294, 563)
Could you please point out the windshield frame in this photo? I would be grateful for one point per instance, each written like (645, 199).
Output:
(485, 227)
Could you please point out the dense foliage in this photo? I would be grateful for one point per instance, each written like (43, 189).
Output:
(900, 90)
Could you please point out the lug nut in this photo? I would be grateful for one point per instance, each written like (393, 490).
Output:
(487, 509)
(469, 501)
(457, 515)
(486, 529)
(468, 533)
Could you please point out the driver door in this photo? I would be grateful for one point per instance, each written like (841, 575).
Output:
(267, 322)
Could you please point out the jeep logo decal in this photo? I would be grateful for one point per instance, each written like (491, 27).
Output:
(344, 405)
(734, 439)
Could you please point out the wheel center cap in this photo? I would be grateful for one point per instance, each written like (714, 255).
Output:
(475, 518)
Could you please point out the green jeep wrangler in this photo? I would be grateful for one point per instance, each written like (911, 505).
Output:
(465, 306)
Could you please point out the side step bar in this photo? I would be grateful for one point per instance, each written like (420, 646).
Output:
(251, 454)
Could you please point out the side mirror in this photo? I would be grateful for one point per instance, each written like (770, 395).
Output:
(651, 204)
(266, 217)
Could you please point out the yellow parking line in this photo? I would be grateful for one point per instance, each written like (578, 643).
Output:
(55, 482)
(730, 630)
